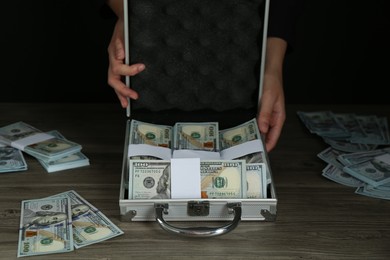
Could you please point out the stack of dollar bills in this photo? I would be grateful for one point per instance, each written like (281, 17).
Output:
(11, 159)
(359, 152)
(228, 173)
(60, 224)
(51, 149)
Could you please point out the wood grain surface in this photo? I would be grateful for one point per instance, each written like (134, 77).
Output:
(316, 218)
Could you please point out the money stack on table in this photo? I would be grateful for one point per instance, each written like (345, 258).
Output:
(223, 175)
(51, 149)
(359, 152)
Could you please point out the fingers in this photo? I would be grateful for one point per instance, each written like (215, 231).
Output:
(123, 92)
(271, 120)
(274, 125)
(119, 50)
(117, 69)
(126, 70)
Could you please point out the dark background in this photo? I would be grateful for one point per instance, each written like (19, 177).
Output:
(56, 51)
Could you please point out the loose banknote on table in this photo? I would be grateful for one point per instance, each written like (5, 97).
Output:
(359, 152)
(90, 225)
(45, 226)
(60, 223)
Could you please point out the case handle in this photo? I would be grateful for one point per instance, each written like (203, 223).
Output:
(198, 231)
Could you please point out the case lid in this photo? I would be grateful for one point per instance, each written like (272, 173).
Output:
(200, 55)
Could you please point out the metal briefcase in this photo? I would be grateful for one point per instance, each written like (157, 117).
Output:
(188, 46)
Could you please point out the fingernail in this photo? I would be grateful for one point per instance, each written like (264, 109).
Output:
(141, 67)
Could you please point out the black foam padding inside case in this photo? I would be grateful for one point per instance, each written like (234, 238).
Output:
(199, 54)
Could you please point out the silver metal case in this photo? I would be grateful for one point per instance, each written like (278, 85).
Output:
(228, 213)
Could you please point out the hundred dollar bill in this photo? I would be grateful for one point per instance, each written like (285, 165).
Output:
(336, 174)
(223, 179)
(150, 134)
(240, 134)
(36, 143)
(256, 181)
(359, 157)
(323, 123)
(374, 192)
(196, 136)
(68, 162)
(385, 129)
(16, 131)
(89, 225)
(372, 129)
(236, 135)
(375, 172)
(11, 160)
(330, 155)
(346, 146)
(150, 179)
(349, 121)
(71, 161)
(45, 227)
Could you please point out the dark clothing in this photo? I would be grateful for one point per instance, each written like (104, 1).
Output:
(283, 15)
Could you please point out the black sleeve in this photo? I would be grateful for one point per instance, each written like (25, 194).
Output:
(105, 10)
(283, 15)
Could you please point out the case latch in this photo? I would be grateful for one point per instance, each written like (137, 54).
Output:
(198, 208)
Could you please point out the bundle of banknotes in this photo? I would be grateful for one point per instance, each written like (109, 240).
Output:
(11, 159)
(359, 152)
(51, 149)
(224, 172)
(347, 132)
(60, 224)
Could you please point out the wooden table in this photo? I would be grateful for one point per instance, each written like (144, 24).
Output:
(316, 218)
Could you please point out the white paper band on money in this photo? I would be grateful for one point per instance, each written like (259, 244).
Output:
(185, 178)
(242, 149)
(33, 139)
(203, 155)
(145, 149)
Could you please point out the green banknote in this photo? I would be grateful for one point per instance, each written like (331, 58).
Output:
(236, 135)
(223, 179)
(152, 134)
(196, 136)
(374, 172)
(11, 160)
(150, 179)
(89, 225)
(149, 134)
(359, 157)
(246, 132)
(36, 143)
(45, 227)
(373, 130)
(324, 123)
(71, 161)
(256, 181)
(336, 174)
